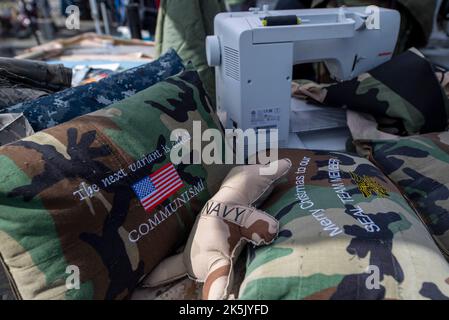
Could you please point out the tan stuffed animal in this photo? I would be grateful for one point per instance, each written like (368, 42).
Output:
(228, 220)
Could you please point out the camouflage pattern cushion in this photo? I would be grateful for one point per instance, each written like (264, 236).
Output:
(404, 89)
(419, 165)
(69, 195)
(65, 105)
(346, 232)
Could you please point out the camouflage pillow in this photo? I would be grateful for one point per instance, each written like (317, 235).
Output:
(72, 197)
(404, 94)
(346, 232)
(419, 165)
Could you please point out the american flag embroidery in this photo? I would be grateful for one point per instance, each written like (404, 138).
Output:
(158, 186)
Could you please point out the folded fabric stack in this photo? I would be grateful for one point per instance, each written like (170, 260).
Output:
(25, 80)
(63, 106)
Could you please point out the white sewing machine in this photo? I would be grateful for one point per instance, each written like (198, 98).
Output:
(254, 53)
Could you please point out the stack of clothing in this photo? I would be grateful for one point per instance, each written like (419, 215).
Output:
(22, 81)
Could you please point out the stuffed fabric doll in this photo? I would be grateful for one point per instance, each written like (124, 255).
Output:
(227, 221)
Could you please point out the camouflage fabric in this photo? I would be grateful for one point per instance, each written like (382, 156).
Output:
(69, 195)
(417, 22)
(346, 232)
(63, 106)
(13, 127)
(405, 90)
(365, 126)
(416, 18)
(183, 25)
(419, 166)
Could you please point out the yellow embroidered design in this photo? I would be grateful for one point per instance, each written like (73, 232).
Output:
(369, 186)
